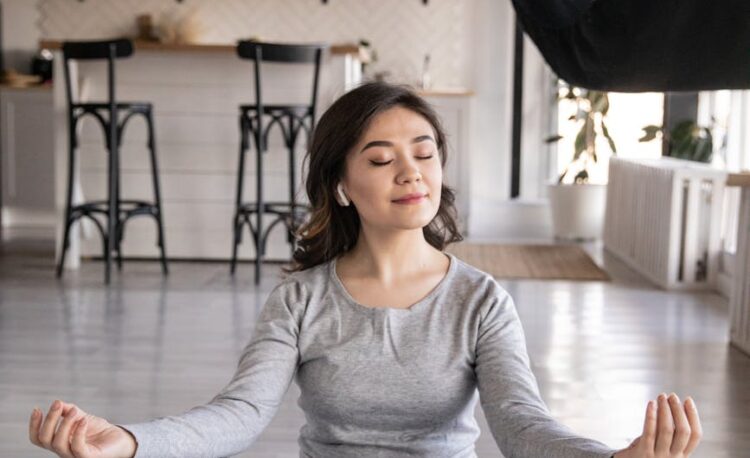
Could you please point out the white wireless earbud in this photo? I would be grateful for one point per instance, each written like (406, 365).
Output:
(342, 198)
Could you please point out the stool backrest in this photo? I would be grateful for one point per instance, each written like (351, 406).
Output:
(283, 53)
(108, 50)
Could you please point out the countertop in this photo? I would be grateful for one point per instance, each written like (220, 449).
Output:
(344, 48)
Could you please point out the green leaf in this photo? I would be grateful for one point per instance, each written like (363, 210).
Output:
(590, 134)
(580, 143)
(562, 175)
(599, 102)
(553, 138)
(605, 131)
(683, 130)
(649, 133)
(703, 151)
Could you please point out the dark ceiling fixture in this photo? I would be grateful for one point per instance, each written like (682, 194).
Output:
(642, 45)
(634, 46)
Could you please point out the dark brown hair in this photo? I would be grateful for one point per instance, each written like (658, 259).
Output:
(331, 229)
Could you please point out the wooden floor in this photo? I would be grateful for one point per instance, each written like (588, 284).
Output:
(150, 346)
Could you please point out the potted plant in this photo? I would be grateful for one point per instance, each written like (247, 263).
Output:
(686, 140)
(576, 203)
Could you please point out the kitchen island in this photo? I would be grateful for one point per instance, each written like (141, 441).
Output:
(196, 90)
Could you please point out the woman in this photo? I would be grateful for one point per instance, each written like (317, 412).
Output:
(387, 336)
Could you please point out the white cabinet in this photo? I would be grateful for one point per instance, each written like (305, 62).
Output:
(27, 167)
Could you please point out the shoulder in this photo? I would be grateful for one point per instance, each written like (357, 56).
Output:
(304, 283)
(481, 288)
(476, 279)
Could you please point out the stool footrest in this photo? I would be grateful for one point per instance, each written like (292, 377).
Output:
(273, 207)
(128, 208)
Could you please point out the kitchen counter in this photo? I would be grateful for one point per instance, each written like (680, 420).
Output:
(196, 91)
(140, 45)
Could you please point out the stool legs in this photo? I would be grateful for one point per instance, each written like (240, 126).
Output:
(157, 195)
(112, 197)
(259, 239)
(119, 224)
(116, 217)
(236, 223)
(242, 214)
(68, 198)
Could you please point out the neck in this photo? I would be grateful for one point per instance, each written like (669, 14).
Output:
(390, 256)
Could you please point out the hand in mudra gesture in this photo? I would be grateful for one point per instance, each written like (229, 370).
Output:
(671, 430)
(79, 435)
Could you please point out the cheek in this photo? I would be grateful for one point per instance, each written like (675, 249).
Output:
(369, 183)
(434, 176)
(370, 188)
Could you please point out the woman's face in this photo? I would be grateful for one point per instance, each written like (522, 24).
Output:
(396, 157)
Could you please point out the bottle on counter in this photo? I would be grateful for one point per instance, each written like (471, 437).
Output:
(426, 83)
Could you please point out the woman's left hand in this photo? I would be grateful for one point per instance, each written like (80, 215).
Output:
(671, 431)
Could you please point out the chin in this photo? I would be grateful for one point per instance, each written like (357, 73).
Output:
(414, 222)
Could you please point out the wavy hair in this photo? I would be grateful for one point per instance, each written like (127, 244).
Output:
(331, 229)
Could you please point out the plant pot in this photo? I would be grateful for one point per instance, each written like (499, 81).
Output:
(577, 210)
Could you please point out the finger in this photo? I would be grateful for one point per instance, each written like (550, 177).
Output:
(78, 445)
(664, 427)
(50, 424)
(681, 425)
(648, 438)
(34, 422)
(61, 439)
(696, 430)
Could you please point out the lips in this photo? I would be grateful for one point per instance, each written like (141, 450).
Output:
(411, 198)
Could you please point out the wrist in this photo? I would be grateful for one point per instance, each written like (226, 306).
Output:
(132, 447)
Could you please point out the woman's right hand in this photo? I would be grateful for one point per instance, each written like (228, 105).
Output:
(79, 435)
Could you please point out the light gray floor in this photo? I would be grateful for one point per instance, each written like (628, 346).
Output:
(150, 346)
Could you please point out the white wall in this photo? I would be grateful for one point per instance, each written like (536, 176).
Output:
(492, 81)
(20, 33)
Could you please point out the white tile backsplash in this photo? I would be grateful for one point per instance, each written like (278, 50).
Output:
(402, 31)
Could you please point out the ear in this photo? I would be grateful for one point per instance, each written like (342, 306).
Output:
(340, 196)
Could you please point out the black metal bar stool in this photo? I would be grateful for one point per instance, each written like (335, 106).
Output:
(112, 116)
(290, 119)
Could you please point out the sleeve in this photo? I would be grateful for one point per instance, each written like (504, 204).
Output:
(520, 421)
(235, 417)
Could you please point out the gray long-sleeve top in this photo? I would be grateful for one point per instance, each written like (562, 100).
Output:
(379, 382)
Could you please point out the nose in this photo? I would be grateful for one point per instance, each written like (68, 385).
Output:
(409, 174)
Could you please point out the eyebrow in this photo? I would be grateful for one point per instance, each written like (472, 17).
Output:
(421, 138)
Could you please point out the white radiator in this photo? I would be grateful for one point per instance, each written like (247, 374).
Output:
(739, 300)
(663, 218)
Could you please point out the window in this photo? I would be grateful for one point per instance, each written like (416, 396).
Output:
(628, 113)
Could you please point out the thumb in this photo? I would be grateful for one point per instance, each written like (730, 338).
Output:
(626, 452)
(78, 445)
(634, 444)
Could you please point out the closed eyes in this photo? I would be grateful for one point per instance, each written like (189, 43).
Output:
(375, 163)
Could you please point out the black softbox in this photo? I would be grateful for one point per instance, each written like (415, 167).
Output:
(643, 45)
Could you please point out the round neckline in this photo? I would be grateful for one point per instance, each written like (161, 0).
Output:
(434, 291)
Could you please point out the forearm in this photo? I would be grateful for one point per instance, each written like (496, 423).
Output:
(524, 433)
(224, 427)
